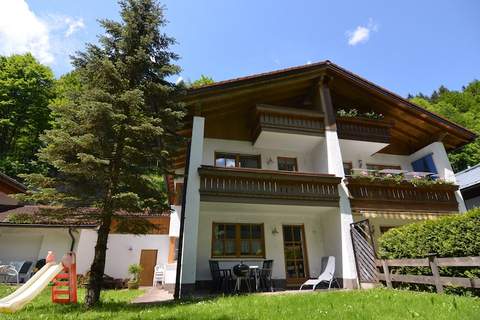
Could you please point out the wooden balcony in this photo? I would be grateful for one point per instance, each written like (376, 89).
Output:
(387, 195)
(288, 120)
(267, 187)
(363, 129)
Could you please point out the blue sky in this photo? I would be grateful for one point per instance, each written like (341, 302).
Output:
(405, 46)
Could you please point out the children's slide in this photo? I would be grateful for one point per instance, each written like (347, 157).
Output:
(33, 287)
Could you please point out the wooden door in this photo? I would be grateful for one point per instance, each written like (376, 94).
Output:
(296, 262)
(148, 260)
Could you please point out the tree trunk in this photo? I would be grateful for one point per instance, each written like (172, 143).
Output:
(98, 265)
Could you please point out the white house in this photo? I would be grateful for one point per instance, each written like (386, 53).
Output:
(282, 163)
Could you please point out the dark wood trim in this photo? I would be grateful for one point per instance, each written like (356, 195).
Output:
(364, 129)
(325, 100)
(287, 120)
(267, 186)
(386, 195)
(238, 240)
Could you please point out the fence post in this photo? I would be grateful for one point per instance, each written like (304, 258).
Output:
(432, 259)
(387, 274)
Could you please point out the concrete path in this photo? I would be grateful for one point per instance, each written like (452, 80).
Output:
(153, 295)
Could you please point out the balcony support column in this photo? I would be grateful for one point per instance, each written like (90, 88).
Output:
(192, 209)
(334, 159)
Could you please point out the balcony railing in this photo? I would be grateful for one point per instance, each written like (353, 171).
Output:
(288, 120)
(267, 186)
(387, 195)
(363, 129)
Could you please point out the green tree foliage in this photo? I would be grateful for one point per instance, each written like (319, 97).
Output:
(202, 81)
(26, 88)
(111, 141)
(462, 107)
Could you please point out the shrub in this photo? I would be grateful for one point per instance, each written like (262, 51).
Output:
(452, 236)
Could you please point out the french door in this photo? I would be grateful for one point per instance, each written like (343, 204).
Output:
(296, 262)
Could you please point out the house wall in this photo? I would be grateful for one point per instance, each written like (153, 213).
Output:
(304, 160)
(32, 244)
(273, 217)
(123, 250)
(355, 151)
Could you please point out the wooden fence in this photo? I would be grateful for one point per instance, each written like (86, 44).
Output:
(435, 279)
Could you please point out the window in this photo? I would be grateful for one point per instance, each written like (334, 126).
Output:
(347, 168)
(235, 160)
(425, 164)
(287, 164)
(379, 167)
(235, 240)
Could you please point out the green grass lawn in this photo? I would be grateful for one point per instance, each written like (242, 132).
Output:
(368, 304)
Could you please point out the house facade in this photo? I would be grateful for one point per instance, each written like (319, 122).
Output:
(279, 165)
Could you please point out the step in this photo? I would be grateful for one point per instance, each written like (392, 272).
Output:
(55, 291)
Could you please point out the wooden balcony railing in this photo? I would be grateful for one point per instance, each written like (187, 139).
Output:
(363, 129)
(288, 120)
(365, 194)
(267, 186)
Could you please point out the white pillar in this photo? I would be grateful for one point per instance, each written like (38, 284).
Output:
(335, 166)
(192, 206)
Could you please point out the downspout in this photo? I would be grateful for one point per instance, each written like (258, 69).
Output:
(177, 292)
(72, 245)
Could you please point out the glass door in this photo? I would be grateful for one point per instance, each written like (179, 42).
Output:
(296, 263)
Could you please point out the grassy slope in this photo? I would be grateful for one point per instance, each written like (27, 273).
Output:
(372, 304)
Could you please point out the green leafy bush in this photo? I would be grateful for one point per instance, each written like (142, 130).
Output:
(452, 236)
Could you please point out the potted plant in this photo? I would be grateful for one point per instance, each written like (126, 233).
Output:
(134, 270)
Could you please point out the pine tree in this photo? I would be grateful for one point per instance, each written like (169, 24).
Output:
(112, 143)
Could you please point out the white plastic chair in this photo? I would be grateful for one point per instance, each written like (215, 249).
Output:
(326, 276)
(159, 275)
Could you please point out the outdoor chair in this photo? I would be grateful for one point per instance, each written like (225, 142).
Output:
(159, 275)
(221, 277)
(9, 271)
(326, 276)
(266, 282)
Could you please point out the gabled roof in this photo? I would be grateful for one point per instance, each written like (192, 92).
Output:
(12, 185)
(468, 177)
(415, 126)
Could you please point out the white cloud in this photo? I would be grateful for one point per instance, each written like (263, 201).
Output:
(361, 34)
(309, 62)
(21, 30)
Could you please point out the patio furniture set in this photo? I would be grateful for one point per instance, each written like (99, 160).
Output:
(246, 278)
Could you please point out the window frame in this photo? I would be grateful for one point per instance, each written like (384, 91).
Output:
(384, 166)
(238, 240)
(237, 159)
(287, 158)
(350, 164)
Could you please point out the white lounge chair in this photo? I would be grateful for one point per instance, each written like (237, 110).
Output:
(159, 275)
(326, 276)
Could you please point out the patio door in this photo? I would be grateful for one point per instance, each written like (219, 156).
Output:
(296, 262)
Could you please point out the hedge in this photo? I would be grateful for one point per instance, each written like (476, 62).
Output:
(452, 236)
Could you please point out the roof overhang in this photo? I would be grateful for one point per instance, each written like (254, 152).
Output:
(412, 121)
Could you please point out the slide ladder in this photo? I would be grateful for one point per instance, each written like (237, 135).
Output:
(64, 289)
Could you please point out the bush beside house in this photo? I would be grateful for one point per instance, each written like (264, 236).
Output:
(452, 236)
